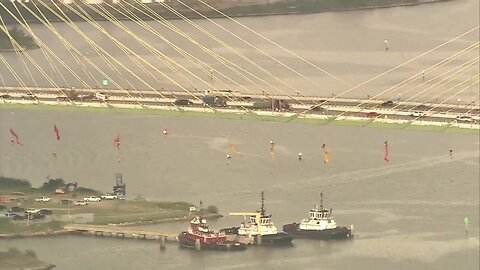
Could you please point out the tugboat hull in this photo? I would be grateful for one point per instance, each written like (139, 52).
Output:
(279, 239)
(326, 234)
(186, 242)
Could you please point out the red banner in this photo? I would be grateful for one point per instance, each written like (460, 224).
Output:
(57, 132)
(14, 138)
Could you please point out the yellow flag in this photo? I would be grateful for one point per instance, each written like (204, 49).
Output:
(233, 148)
(326, 154)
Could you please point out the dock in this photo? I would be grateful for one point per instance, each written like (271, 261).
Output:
(120, 232)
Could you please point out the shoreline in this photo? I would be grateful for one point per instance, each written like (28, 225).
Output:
(124, 224)
(211, 14)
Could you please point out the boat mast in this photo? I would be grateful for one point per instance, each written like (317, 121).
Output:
(321, 200)
(262, 209)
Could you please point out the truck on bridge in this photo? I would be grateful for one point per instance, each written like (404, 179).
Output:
(274, 105)
(214, 101)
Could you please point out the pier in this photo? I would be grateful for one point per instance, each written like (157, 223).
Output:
(120, 232)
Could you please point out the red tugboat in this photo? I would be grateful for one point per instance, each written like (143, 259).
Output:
(199, 236)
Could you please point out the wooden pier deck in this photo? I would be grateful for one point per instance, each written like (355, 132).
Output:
(120, 232)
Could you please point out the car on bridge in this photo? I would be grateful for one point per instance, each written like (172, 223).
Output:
(464, 118)
(183, 102)
(417, 114)
(388, 103)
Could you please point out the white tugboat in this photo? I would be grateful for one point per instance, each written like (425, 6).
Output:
(320, 225)
(261, 228)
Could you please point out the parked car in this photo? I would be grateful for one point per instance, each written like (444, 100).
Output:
(16, 209)
(417, 114)
(46, 212)
(9, 214)
(92, 199)
(80, 203)
(32, 211)
(464, 118)
(43, 199)
(109, 197)
(36, 216)
(66, 201)
(183, 102)
(18, 217)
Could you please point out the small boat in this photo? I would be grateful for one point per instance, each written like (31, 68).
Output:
(199, 237)
(320, 225)
(260, 228)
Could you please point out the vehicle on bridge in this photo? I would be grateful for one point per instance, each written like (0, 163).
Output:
(464, 118)
(183, 102)
(274, 105)
(417, 114)
(388, 103)
(371, 114)
(214, 101)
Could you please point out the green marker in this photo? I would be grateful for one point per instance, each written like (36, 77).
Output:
(465, 219)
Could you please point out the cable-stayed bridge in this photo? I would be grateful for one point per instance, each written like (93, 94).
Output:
(128, 53)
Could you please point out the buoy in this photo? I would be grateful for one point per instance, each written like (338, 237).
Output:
(162, 242)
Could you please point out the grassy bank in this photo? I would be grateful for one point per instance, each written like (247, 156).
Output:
(314, 6)
(235, 116)
(19, 193)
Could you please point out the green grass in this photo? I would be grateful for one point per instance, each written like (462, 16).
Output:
(235, 116)
(104, 219)
(312, 6)
(8, 226)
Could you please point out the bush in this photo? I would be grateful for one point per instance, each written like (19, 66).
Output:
(13, 183)
(52, 184)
